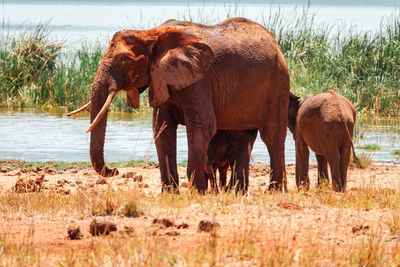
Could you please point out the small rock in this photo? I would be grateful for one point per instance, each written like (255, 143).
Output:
(3, 169)
(101, 180)
(62, 182)
(164, 221)
(207, 225)
(101, 226)
(128, 174)
(64, 191)
(182, 226)
(138, 178)
(36, 169)
(152, 166)
(129, 229)
(172, 233)
(143, 185)
(74, 232)
(50, 171)
(359, 228)
(28, 185)
(289, 206)
(184, 184)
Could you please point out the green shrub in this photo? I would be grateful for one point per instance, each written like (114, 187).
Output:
(370, 147)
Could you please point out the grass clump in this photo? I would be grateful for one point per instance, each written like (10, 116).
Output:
(370, 147)
(28, 68)
(359, 66)
(395, 153)
(132, 209)
(363, 158)
(394, 223)
(17, 253)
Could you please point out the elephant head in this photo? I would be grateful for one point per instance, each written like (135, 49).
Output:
(294, 104)
(165, 59)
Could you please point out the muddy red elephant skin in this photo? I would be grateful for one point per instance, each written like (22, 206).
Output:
(231, 149)
(325, 123)
(229, 76)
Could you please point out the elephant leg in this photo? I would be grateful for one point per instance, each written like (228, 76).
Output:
(334, 164)
(322, 169)
(198, 146)
(232, 181)
(164, 130)
(201, 127)
(212, 178)
(302, 158)
(242, 180)
(242, 173)
(222, 175)
(344, 164)
(273, 135)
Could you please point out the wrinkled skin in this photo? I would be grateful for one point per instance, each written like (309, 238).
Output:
(229, 76)
(325, 123)
(231, 149)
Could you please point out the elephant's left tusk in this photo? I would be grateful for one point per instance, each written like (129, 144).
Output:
(79, 110)
(103, 111)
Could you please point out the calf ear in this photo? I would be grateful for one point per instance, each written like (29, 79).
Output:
(179, 67)
(293, 97)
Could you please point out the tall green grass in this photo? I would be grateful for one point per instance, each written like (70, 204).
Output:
(362, 66)
(36, 72)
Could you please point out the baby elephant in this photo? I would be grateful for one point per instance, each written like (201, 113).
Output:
(230, 149)
(325, 123)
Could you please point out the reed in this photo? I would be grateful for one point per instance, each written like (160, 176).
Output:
(364, 67)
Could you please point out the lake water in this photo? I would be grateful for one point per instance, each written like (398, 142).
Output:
(55, 137)
(87, 21)
(43, 137)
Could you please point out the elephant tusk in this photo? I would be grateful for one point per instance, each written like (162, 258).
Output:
(79, 110)
(103, 111)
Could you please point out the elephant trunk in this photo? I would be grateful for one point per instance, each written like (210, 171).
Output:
(102, 94)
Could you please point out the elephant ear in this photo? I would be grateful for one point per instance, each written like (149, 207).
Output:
(178, 67)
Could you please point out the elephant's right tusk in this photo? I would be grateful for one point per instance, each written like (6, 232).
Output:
(103, 111)
(79, 110)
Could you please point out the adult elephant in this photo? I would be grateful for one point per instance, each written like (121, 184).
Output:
(229, 76)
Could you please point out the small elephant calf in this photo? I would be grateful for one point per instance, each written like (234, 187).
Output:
(325, 123)
(230, 149)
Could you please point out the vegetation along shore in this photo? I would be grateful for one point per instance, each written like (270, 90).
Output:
(36, 72)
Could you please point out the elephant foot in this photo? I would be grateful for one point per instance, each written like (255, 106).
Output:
(169, 189)
(106, 172)
(339, 189)
(201, 187)
(276, 186)
(323, 182)
(303, 186)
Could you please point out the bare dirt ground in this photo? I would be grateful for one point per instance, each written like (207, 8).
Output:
(302, 227)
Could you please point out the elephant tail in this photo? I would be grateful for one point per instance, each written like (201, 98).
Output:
(356, 159)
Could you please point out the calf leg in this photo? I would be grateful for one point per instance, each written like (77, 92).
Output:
(322, 170)
(302, 157)
(344, 164)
